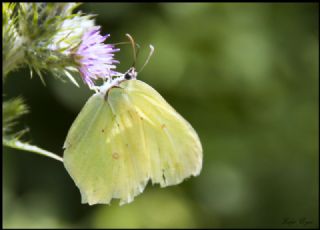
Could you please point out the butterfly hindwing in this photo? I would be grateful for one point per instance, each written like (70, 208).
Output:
(174, 147)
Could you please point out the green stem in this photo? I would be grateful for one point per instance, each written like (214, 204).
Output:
(31, 148)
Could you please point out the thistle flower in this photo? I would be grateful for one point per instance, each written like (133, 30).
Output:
(95, 58)
(48, 37)
(12, 52)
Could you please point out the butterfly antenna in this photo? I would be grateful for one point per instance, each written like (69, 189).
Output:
(121, 43)
(148, 58)
(138, 49)
(133, 48)
(126, 43)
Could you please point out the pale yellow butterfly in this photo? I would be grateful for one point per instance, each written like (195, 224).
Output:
(125, 135)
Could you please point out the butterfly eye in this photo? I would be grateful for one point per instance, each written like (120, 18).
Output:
(127, 76)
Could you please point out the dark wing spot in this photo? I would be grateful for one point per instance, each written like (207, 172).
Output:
(163, 176)
(115, 156)
(102, 130)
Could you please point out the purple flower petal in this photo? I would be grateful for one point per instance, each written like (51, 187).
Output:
(95, 58)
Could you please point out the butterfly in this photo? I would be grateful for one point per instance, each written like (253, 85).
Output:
(125, 135)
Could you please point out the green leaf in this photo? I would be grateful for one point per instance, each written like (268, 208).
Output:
(12, 110)
(30, 148)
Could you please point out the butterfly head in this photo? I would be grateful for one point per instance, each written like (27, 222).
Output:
(131, 74)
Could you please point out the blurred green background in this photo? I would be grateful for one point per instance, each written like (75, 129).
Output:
(244, 75)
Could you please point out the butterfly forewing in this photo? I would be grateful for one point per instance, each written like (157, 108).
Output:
(86, 154)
